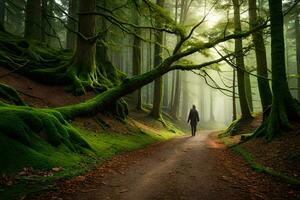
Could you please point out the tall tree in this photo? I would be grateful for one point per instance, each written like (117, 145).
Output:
(261, 58)
(158, 84)
(211, 106)
(248, 90)
(284, 107)
(72, 24)
(245, 110)
(184, 8)
(83, 69)
(137, 58)
(297, 35)
(33, 19)
(234, 95)
(185, 95)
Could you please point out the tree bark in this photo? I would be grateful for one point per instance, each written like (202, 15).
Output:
(248, 90)
(234, 96)
(177, 94)
(46, 22)
(212, 116)
(261, 58)
(185, 97)
(33, 19)
(136, 61)
(71, 37)
(297, 35)
(158, 83)
(246, 114)
(83, 69)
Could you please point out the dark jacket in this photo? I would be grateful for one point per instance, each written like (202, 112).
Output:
(193, 117)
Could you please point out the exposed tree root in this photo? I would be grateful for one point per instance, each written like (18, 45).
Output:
(278, 120)
(237, 127)
(24, 123)
(10, 95)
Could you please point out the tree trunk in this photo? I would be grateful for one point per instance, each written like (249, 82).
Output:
(246, 114)
(136, 61)
(83, 68)
(177, 94)
(46, 23)
(185, 97)
(261, 58)
(234, 96)
(166, 84)
(71, 37)
(166, 91)
(248, 90)
(33, 19)
(297, 35)
(212, 116)
(158, 84)
(284, 107)
(2, 14)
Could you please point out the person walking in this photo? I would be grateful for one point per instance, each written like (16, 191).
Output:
(193, 119)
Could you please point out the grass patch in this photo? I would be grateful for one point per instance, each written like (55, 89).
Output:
(14, 156)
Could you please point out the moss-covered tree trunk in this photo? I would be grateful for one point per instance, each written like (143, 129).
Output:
(72, 24)
(245, 110)
(261, 58)
(33, 19)
(284, 107)
(136, 61)
(83, 69)
(158, 83)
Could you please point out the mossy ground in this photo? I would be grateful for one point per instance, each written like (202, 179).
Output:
(14, 156)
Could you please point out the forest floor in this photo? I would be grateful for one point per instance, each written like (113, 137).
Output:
(198, 167)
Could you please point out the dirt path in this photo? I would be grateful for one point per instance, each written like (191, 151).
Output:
(184, 168)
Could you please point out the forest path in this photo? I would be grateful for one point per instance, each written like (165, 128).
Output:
(197, 167)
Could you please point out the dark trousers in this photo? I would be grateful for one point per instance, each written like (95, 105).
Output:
(194, 129)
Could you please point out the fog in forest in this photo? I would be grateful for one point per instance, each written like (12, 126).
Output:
(210, 89)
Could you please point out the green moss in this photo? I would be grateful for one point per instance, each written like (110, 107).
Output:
(43, 156)
(10, 95)
(24, 123)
